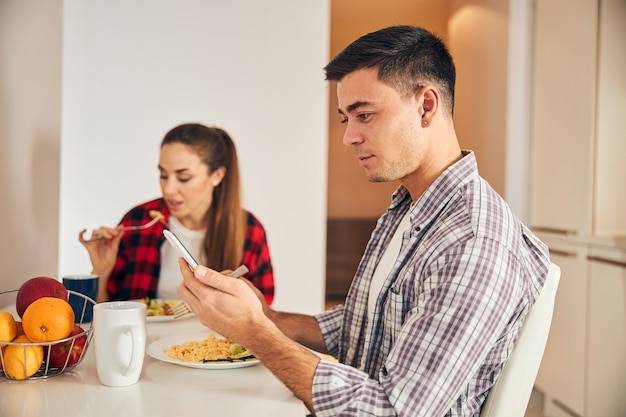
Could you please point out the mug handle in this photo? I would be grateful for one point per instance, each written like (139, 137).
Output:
(136, 356)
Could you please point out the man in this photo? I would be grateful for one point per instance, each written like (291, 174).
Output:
(447, 278)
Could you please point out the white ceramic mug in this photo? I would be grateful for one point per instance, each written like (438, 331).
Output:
(120, 341)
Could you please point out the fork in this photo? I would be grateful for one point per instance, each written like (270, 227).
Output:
(128, 228)
(182, 309)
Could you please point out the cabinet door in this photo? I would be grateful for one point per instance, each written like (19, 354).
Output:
(562, 115)
(606, 375)
(561, 377)
(610, 200)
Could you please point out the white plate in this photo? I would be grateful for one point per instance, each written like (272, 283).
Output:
(154, 319)
(157, 351)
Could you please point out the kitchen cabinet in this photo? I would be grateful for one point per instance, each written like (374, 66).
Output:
(561, 376)
(576, 203)
(346, 240)
(609, 212)
(578, 118)
(606, 357)
(562, 115)
(583, 370)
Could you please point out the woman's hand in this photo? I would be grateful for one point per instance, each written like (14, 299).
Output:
(102, 248)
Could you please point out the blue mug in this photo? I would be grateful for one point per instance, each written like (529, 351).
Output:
(86, 285)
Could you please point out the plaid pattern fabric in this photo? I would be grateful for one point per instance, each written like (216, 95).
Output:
(136, 271)
(449, 311)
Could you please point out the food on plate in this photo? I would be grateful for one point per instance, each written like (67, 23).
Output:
(8, 327)
(22, 361)
(211, 349)
(48, 319)
(38, 287)
(158, 307)
(69, 351)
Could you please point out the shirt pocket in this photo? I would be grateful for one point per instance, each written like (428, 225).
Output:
(400, 300)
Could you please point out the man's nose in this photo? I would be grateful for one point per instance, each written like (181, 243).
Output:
(352, 135)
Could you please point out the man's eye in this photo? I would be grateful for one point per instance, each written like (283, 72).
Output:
(361, 116)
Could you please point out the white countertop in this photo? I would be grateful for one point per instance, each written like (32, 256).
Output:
(163, 389)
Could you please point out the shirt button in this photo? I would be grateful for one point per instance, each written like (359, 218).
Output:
(384, 371)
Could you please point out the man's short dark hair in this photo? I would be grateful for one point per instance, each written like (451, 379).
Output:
(407, 58)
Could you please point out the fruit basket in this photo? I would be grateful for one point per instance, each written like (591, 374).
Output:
(56, 356)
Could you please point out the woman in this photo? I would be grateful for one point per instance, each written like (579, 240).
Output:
(201, 204)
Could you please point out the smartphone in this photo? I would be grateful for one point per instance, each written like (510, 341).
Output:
(173, 239)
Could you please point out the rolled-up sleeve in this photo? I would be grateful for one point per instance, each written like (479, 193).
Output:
(330, 324)
(343, 390)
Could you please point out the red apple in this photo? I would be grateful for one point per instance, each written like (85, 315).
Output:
(36, 288)
(59, 352)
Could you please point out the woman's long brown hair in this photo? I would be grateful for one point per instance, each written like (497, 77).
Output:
(226, 221)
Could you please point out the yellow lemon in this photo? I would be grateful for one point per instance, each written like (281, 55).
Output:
(8, 327)
(21, 361)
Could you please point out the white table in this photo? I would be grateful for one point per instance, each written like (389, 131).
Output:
(163, 389)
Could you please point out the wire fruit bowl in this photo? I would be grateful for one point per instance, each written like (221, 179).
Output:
(46, 369)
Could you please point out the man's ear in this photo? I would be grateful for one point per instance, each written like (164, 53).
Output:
(430, 104)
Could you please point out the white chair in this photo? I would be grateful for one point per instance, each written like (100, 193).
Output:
(510, 394)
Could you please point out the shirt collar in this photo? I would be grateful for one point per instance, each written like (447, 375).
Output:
(439, 193)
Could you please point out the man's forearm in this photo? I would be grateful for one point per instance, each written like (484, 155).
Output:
(288, 360)
(302, 328)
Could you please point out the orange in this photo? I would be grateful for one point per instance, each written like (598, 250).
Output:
(48, 319)
(8, 327)
(21, 361)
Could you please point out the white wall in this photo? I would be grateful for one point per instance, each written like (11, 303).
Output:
(132, 70)
(30, 123)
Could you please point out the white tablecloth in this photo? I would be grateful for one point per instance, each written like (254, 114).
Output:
(163, 389)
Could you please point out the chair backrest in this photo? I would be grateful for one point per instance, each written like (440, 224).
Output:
(510, 394)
